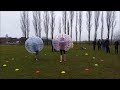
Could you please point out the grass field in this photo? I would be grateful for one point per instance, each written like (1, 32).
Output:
(49, 67)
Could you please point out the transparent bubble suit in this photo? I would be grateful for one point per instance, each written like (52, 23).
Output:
(34, 44)
(62, 38)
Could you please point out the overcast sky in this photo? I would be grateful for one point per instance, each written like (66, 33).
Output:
(10, 24)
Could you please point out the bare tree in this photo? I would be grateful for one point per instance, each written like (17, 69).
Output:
(52, 24)
(89, 23)
(102, 27)
(64, 18)
(117, 33)
(68, 27)
(59, 25)
(71, 20)
(76, 26)
(0, 23)
(25, 24)
(108, 21)
(80, 25)
(96, 18)
(37, 23)
(46, 24)
(117, 36)
(113, 24)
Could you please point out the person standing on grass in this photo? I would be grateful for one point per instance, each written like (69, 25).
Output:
(36, 51)
(62, 49)
(107, 45)
(99, 44)
(102, 46)
(94, 45)
(116, 44)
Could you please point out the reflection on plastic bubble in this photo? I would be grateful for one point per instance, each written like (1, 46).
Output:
(62, 41)
(34, 44)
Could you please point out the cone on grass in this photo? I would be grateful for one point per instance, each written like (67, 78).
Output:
(63, 72)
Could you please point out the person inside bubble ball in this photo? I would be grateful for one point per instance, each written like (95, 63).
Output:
(62, 49)
(36, 51)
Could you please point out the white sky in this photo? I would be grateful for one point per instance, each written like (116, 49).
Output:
(10, 24)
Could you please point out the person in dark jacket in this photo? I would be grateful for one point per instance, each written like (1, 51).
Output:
(94, 45)
(107, 46)
(103, 45)
(116, 44)
(99, 44)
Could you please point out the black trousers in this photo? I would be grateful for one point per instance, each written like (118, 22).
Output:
(94, 47)
(36, 53)
(99, 47)
(116, 50)
(62, 51)
(107, 49)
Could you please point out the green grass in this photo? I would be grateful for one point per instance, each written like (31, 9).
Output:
(50, 67)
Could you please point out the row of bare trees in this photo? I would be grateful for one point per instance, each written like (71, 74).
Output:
(52, 25)
(37, 23)
(0, 23)
(67, 18)
(25, 23)
(110, 21)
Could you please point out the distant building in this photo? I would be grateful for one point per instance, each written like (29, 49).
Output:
(3, 40)
(22, 40)
(9, 40)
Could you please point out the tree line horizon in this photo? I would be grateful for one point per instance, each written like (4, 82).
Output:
(66, 21)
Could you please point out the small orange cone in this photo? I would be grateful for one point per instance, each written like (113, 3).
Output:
(87, 69)
(37, 72)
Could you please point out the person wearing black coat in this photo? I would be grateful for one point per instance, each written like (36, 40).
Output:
(94, 45)
(107, 43)
(99, 44)
(116, 44)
